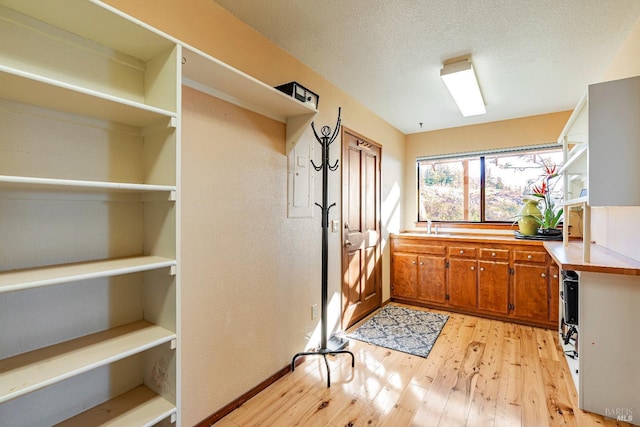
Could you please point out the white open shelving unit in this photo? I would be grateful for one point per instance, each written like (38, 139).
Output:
(601, 150)
(575, 170)
(90, 103)
(88, 187)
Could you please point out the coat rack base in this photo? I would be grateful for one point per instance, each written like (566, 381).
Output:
(336, 343)
(323, 352)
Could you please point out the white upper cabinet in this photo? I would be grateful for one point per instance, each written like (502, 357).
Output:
(614, 146)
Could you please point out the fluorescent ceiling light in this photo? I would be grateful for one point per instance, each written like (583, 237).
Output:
(461, 81)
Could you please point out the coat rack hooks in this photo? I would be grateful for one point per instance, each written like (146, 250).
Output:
(325, 141)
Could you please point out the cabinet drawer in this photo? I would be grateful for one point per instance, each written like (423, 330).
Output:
(494, 254)
(463, 252)
(419, 249)
(530, 256)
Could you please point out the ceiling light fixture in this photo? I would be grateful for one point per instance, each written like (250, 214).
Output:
(462, 83)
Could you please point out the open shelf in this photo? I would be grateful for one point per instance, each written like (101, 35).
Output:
(56, 274)
(36, 369)
(138, 407)
(40, 91)
(115, 30)
(577, 163)
(206, 74)
(54, 184)
(576, 201)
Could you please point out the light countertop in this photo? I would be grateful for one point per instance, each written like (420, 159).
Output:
(603, 260)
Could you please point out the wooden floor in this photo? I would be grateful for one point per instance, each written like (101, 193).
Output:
(479, 373)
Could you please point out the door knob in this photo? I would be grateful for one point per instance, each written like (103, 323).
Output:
(347, 243)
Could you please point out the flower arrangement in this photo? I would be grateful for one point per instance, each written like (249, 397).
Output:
(550, 217)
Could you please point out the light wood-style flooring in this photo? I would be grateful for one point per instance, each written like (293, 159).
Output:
(479, 373)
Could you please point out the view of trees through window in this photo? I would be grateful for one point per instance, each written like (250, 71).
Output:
(451, 189)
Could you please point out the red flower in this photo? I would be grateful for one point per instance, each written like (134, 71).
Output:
(551, 171)
(540, 190)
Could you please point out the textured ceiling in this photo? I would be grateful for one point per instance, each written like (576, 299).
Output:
(531, 56)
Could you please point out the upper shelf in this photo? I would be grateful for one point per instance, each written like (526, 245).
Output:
(97, 21)
(576, 131)
(205, 73)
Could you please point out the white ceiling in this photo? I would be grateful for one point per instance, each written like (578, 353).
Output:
(531, 56)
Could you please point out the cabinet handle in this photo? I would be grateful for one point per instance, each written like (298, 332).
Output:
(555, 276)
(481, 268)
(543, 275)
(413, 262)
(461, 251)
(421, 263)
(473, 268)
(493, 254)
(528, 256)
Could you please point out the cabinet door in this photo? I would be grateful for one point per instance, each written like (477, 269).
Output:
(554, 290)
(431, 279)
(462, 283)
(405, 276)
(531, 292)
(493, 286)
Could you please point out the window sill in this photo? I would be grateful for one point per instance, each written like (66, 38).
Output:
(502, 226)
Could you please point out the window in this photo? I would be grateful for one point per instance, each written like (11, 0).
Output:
(484, 187)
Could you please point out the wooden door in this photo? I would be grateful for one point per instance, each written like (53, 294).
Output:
(361, 259)
(432, 279)
(405, 276)
(493, 286)
(530, 291)
(463, 280)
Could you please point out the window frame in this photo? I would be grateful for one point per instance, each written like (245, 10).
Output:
(480, 155)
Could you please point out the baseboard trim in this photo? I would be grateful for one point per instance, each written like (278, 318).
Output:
(227, 409)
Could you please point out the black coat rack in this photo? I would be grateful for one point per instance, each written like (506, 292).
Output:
(325, 141)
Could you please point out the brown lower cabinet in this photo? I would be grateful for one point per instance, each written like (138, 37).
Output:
(496, 277)
(493, 296)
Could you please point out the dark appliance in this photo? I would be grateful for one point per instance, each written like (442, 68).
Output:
(301, 93)
(569, 298)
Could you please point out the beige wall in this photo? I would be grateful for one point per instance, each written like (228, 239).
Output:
(616, 227)
(534, 130)
(250, 274)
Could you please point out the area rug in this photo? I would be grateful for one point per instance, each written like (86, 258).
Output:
(402, 329)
